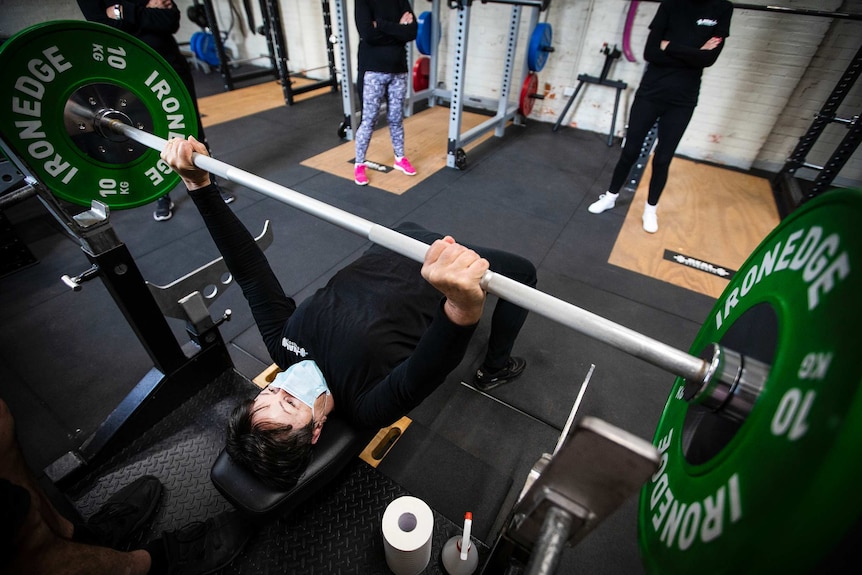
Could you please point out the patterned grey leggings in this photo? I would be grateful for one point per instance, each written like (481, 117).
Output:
(373, 90)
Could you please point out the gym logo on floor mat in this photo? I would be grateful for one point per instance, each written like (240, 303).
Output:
(375, 166)
(697, 264)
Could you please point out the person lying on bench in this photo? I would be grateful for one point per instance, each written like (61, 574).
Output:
(373, 343)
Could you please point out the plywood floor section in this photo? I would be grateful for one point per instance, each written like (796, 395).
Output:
(242, 102)
(712, 214)
(426, 136)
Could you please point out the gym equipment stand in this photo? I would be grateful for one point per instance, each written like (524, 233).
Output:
(351, 114)
(13, 189)
(602, 80)
(178, 372)
(273, 29)
(784, 185)
(432, 93)
(455, 155)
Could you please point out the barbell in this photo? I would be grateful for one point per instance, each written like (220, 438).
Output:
(762, 430)
(57, 74)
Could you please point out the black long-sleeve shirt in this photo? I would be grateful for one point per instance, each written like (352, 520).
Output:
(382, 38)
(673, 75)
(377, 330)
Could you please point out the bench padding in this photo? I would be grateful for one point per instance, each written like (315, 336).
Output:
(338, 444)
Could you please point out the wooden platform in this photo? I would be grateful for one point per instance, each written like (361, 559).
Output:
(709, 219)
(426, 135)
(251, 100)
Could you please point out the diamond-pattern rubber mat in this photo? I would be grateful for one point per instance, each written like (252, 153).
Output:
(337, 531)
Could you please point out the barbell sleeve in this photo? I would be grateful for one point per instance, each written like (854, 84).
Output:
(634, 343)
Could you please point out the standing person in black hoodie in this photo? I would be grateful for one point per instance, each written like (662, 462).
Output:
(685, 37)
(385, 27)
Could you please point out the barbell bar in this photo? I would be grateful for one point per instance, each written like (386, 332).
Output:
(111, 85)
(630, 341)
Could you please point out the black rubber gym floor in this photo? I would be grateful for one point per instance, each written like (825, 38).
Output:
(68, 358)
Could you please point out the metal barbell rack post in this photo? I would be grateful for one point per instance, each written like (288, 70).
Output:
(675, 361)
(352, 115)
(505, 110)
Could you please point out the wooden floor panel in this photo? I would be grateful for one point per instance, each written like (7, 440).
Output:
(426, 136)
(241, 102)
(714, 215)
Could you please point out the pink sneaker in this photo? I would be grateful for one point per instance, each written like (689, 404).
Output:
(359, 175)
(404, 165)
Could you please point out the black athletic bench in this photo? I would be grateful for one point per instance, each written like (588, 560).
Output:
(339, 443)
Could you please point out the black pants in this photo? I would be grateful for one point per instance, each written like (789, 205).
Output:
(673, 120)
(508, 318)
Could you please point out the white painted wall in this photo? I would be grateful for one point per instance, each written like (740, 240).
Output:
(776, 71)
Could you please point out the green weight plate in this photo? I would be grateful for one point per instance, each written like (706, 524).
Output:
(776, 492)
(56, 77)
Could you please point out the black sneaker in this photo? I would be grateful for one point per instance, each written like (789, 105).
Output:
(164, 209)
(123, 515)
(487, 380)
(206, 546)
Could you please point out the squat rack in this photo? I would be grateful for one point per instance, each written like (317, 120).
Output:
(784, 184)
(455, 155)
(273, 30)
(505, 111)
(351, 114)
(433, 92)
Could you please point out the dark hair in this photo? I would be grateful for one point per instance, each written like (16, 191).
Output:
(277, 455)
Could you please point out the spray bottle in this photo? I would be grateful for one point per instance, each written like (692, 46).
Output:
(460, 556)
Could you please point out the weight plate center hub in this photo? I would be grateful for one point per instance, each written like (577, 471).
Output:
(90, 106)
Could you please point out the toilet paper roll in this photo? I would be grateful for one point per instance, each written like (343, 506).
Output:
(408, 525)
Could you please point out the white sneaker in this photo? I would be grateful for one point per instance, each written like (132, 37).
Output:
(605, 202)
(650, 223)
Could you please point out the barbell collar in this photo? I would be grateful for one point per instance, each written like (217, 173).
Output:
(634, 343)
(732, 384)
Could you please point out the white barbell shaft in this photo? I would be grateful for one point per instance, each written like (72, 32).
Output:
(632, 342)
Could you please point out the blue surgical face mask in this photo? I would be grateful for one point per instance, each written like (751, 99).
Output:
(304, 381)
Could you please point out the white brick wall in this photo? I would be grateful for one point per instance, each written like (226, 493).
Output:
(756, 102)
